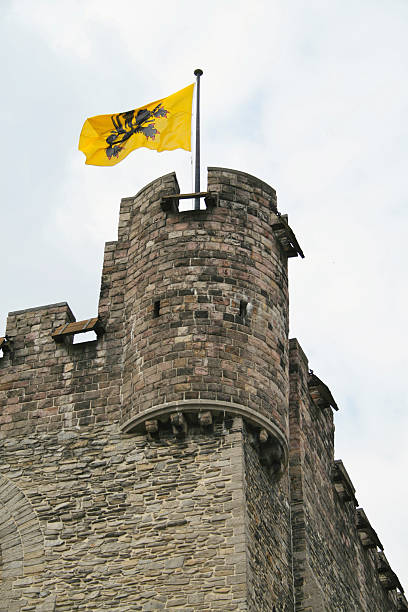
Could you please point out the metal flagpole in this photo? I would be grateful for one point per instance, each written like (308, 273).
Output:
(198, 72)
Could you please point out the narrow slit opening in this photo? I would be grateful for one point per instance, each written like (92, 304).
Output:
(156, 309)
(243, 308)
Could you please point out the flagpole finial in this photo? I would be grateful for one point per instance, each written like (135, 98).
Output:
(198, 72)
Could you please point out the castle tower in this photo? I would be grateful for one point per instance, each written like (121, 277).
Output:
(205, 358)
(184, 459)
(206, 307)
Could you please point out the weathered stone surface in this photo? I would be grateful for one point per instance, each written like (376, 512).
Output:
(147, 470)
(328, 552)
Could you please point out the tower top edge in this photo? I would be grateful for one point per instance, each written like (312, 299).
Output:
(170, 177)
(254, 179)
(57, 305)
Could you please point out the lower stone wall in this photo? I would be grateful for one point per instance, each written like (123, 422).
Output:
(270, 583)
(130, 523)
(94, 519)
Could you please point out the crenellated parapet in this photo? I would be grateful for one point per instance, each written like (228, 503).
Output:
(47, 382)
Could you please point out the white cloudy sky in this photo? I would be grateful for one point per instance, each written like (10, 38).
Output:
(310, 96)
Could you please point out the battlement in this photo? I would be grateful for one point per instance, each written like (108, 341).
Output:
(188, 449)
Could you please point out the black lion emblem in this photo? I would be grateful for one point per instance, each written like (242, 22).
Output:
(127, 124)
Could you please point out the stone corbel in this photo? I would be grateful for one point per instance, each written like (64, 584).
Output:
(366, 533)
(388, 579)
(271, 443)
(205, 418)
(152, 427)
(179, 424)
(342, 483)
(270, 452)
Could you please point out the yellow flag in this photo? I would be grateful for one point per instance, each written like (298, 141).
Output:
(163, 125)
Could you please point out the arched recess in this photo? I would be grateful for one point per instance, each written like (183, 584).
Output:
(21, 544)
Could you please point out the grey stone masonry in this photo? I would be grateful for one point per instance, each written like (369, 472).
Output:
(181, 461)
(333, 569)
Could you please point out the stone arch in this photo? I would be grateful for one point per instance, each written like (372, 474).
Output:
(21, 543)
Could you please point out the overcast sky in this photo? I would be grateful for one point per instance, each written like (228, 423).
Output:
(310, 96)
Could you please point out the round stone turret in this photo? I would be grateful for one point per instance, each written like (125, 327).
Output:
(206, 310)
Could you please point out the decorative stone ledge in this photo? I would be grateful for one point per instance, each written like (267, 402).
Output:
(320, 393)
(286, 236)
(388, 579)
(367, 535)
(342, 483)
(271, 442)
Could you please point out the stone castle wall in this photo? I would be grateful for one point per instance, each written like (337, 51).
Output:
(270, 582)
(148, 469)
(333, 569)
(129, 524)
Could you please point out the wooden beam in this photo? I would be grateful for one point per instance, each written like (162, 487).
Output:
(186, 196)
(78, 327)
